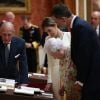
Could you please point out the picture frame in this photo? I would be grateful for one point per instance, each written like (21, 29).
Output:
(16, 6)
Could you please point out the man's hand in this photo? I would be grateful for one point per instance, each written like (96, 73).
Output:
(28, 45)
(77, 88)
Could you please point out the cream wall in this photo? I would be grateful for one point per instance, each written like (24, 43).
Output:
(81, 8)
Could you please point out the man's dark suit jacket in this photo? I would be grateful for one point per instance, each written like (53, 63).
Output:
(85, 52)
(12, 70)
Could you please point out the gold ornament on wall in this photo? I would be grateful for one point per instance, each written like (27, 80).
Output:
(16, 6)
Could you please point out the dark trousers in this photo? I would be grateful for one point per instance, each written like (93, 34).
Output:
(91, 95)
(32, 60)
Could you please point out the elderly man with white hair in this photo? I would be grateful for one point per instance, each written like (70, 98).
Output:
(12, 52)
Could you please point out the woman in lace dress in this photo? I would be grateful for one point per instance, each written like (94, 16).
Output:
(56, 48)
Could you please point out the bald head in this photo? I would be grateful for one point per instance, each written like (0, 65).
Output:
(95, 18)
(7, 31)
(10, 16)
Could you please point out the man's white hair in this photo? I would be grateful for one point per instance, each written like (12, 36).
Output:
(53, 45)
(7, 25)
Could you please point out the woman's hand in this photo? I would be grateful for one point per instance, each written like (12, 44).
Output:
(61, 91)
(48, 87)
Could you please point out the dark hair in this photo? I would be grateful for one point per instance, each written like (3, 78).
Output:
(25, 17)
(61, 10)
(48, 21)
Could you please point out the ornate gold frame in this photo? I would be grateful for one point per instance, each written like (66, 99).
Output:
(26, 9)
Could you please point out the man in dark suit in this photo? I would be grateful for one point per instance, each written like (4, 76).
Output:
(31, 34)
(85, 52)
(95, 21)
(13, 60)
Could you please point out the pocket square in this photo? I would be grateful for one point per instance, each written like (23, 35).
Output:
(17, 56)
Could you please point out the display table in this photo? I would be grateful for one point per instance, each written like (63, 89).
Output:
(36, 81)
(10, 95)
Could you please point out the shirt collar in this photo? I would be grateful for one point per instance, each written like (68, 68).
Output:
(72, 21)
(7, 43)
(98, 26)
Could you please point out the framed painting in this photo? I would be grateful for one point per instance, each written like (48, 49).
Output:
(17, 6)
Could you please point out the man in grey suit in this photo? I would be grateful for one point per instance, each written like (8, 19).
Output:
(13, 60)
